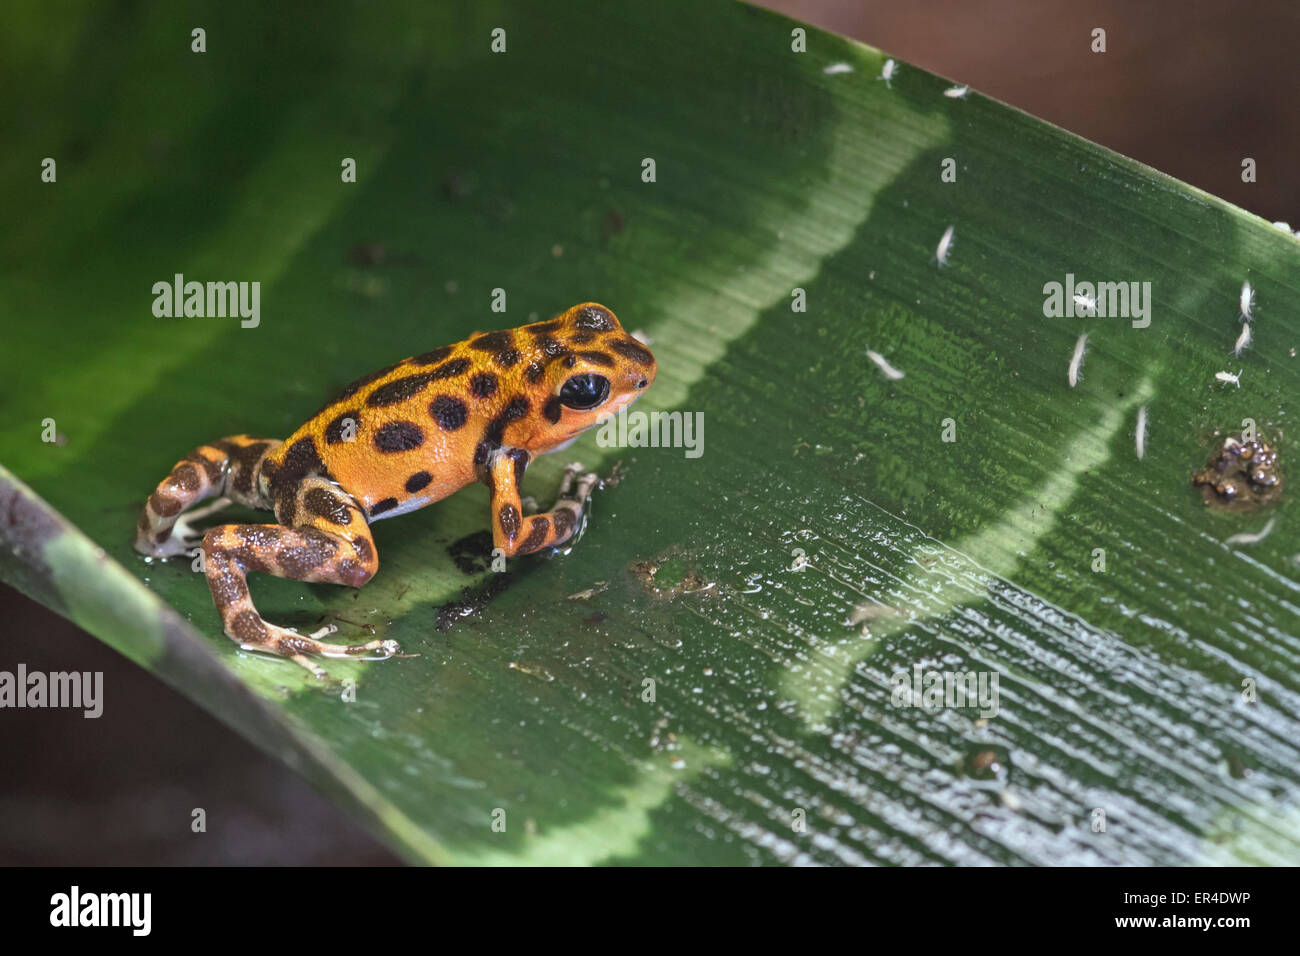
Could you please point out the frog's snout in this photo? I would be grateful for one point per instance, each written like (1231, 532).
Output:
(641, 377)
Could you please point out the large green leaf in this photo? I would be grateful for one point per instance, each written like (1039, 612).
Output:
(1121, 689)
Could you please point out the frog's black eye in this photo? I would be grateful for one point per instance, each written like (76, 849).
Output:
(585, 391)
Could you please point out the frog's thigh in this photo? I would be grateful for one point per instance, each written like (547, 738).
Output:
(511, 530)
(330, 542)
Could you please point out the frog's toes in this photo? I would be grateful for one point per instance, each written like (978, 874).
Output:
(184, 537)
(585, 480)
(161, 536)
(179, 542)
(584, 484)
(300, 648)
(198, 514)
(386, 648)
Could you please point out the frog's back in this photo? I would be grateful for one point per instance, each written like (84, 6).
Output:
(421, 429)
(392, 437)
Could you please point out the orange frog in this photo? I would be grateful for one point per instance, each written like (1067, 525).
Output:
(394, 441)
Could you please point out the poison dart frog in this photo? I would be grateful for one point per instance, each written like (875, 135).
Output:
(390, 443)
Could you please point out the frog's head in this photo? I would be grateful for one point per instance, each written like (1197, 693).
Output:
(581, 367)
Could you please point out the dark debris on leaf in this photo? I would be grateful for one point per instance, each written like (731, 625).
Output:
(472, 601)
(1241, 474)
(472, 553)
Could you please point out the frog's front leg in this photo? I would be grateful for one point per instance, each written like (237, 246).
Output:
(329, 541)
(511, 530)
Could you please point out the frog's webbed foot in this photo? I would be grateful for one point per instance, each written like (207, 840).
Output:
(287, 642)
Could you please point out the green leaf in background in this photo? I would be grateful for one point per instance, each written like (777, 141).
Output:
(828, 539)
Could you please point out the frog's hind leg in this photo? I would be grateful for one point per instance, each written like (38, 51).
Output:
(329, 541)
(227, 468)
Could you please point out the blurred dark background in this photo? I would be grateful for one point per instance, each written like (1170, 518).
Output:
(1189, 87)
